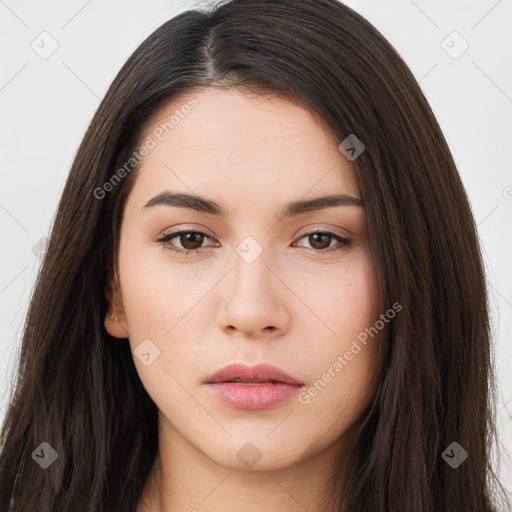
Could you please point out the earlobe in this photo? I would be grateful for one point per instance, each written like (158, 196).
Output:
(115, 321)
(115, 327)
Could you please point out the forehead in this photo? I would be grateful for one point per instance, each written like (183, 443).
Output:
(239, 146)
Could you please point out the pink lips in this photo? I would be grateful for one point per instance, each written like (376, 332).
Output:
(258, 387)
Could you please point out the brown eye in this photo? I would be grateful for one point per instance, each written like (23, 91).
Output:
(191, 240)
(320, 241)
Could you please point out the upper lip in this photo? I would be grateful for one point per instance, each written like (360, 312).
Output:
(259, 373)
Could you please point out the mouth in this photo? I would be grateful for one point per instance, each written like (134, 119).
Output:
(260, 374)
(252, 388)
(252, 382)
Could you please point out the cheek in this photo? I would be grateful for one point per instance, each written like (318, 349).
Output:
(156, 295)
(342, 384)
(159, 317)
(162, 305)
(343, 374)
(345, 301)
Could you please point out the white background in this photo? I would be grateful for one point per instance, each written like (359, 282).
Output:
(46, 105)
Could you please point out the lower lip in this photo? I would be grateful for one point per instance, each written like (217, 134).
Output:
(252, 396)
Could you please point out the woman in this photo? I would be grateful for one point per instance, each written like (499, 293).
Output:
(263, 287)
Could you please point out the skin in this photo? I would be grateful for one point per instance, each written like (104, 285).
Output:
(252, 154)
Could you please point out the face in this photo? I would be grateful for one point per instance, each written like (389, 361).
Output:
(195, 291)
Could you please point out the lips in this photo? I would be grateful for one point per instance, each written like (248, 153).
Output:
(260, 374)
(252, 388)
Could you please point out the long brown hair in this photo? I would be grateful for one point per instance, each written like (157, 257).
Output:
(77, 388)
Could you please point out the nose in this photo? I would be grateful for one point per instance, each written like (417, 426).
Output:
(256, 301)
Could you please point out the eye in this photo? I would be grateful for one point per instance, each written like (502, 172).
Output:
(192, 242)
(320, 241)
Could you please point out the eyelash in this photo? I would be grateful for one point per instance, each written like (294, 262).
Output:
(345, 243)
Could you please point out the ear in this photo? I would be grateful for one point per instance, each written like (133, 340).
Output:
(115, 320)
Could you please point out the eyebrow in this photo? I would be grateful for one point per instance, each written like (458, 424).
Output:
(201, 204)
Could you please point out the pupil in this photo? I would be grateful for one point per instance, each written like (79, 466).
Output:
(189, 238)
(316, 236)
